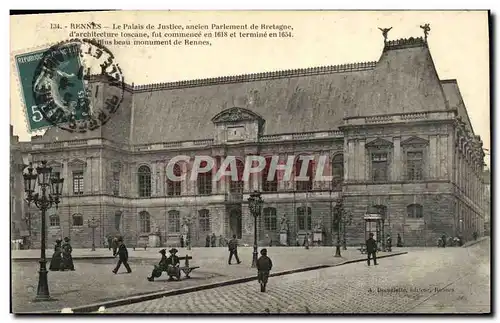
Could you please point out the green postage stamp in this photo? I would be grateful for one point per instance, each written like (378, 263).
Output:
(64, 78)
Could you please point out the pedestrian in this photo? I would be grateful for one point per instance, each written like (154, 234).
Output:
(264, 266)
(233, 250)
(214, 240)
(115, 245)
(160, 268)
(306, 241)
(182, 241)
(173, 263)
(110, 242)
(221, 241)
(207, 241)
(474, 235)
(122, 256)
(443, 237)
(55, 262)
(371, 249)
(67, 259)
(399, 241)
(389, 243)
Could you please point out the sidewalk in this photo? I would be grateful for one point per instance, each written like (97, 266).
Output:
(93, 282)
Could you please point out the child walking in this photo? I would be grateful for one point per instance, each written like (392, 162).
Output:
(264, 265)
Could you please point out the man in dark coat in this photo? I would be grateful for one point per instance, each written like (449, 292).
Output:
(67, 259)
(173, 264)
(399, 241)
(161, 267)
(182, 241)
(55, 262)
(371, 249)
(207, 241)
(122, 257)
(443, 237)
(233, 250)
(213, 240)
(264, 266)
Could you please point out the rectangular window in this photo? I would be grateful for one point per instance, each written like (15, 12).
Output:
(205, 183)
(116, 183)
(174, 221)
(78, 183)
(379, 167)
(415, 165)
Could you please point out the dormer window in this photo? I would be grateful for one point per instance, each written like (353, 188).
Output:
(236, 125)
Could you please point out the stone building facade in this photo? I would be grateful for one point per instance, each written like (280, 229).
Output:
(17, 207)
(396, 137)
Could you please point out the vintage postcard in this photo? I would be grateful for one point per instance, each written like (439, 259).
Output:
(250, 162)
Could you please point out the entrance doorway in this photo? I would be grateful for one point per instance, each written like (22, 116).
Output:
(235, 225)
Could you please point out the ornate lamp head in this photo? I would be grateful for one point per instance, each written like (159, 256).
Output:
(29, 182)
(43, 173)
(255, 203)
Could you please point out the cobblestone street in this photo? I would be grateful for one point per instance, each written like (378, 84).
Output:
(449, 280)
(93, 281)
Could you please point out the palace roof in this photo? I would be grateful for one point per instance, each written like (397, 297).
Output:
(403, 80)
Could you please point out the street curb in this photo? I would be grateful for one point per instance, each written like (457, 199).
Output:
(142, 298)
(471, 243)
(74, 258)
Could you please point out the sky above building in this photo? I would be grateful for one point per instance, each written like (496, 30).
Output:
(458, 42)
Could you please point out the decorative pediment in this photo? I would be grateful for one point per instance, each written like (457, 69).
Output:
(236, 115)
(379, 142)
(77, 163)
(414, 141)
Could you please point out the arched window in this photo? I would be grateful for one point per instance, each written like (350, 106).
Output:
(54, 220)
(204, 181)
(304, 185)
(305, 220)
(77, 220)
(414, 211)
(269, 185)
(236, 185)
(145, 222)
(144, 174)
(204, 220)
(270, 219)
(174, 221)
(337, 172)
(174, 186)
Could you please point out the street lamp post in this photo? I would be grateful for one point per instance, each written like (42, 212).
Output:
(51, 189)
(255, 203)
(337, 220)
(93, 224)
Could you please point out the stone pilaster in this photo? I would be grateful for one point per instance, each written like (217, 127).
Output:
(433, 157)
(363, 176)
(214, 173)
(397, 160)
(88, 185)
(68, 180)
(186, 180)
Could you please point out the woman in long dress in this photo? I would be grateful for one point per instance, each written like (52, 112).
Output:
(55, 262)
(67, 259)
